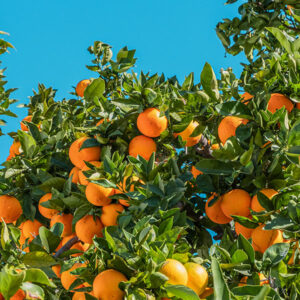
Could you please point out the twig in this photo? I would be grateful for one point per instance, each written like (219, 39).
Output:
(67, 246)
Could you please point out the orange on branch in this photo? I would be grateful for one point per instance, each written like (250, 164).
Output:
(44, 211)
(81, 86)
(150, 123)
(298, 105)
(263, 239)
(15, 149)
(87, 227)
(66, 220)
(19, 295)
(207, 292)
(78, 156)
(246, 97)
(143, 146)
(67, 278)
(10, 209)
(110, 214)
(30, 229)
(186, 134)
(215, 213)
(82, 178)
(195, 172)
(236, 202)
(106, 285)
(175, 271)
(278, 101)
(197, 277)
(56, 269)
(215, 146)
(255, 205)
(75, 175)
(227, 127)
(98, 195)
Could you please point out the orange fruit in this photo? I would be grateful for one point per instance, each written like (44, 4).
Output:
(197, 277)
(78, 157)
(9, 157)
(30, 229)
(263, 239)
(298, 105)
(46, 212)
(195, 172)
(278, 101)
(80, 295)
(56, 269)
(87, 227)
(23, 126)
(15, 149)
(150, 124)
(263, 280)
(82, 178)
(228, 126)
(207, 292)
(81, 86)
(245, 231)
(10, 209)
(143, 146)
(110, 214)
(66, 220)
(215, 213)
(22, 241)
(74, 172)
(98, 194)
(186, 135)
(236, 202)
(215, 146)
(106, 285)
(67, 278)
(255, 206)
(19, 295)
(246, 97)
(77, 246)
(175, 271)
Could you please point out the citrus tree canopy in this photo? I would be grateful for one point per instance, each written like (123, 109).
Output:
(142, 187)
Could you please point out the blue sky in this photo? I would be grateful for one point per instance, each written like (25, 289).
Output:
(51, 37)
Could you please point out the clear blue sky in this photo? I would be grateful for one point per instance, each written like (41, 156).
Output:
(51, 37)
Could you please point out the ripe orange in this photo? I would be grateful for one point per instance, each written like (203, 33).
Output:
(186, 135)
(30, 229)
(80, 295)
(122, 188)
(106, 285)
(298, 105)
(78, 157)
(74, 172)
(197, 277)
(56, 269)
(27, 119)
(263, 280)
(195, 172)
(207, 292)
(228, 126)
(150, 123)
(10, 209)
(143, 146)
(245, 231)
(77, 246)
(215, 146)
(46, 212)
(255, 206)
(215, 213)
(19, 295)
(246, 97)
(15, 149)
(98, 195)
(175, 271)
(66, 220)
(67, 278)
(82, 178)
(87, 227)
(278, 101)
(236, 202)
(110, 214)
(81, 86)
(22, 241)
(263, 239)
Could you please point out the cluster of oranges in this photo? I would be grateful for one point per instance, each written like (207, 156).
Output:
(191, 274)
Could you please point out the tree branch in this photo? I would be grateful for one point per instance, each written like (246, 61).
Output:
(67, 246)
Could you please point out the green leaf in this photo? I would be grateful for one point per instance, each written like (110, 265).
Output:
(239, 256)
(209, 82)
(274, 254)
(233, 108)
(28, 143)
(282, 38)
(10, 283)
(49, 240)
(38, 259)
(35, 291)
(214, 167)
(95, 89)
(181, 292)
(54, 182)
(221, 290)
(38, 276)
(244, 244)
(264, 201)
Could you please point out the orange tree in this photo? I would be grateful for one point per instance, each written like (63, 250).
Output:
(120, 191)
